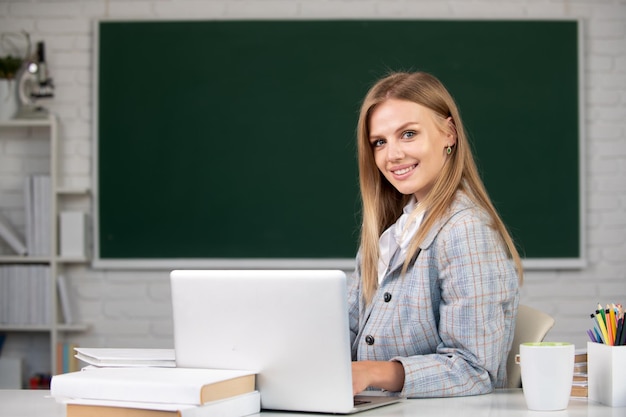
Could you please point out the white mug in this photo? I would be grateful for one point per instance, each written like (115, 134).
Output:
(547, 371)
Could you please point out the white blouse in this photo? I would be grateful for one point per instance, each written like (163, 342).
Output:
(399, 235)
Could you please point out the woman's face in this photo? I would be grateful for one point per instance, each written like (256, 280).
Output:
(409, 148)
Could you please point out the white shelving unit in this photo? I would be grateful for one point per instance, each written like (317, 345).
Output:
(59, 194)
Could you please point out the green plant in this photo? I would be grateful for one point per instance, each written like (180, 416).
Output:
(9, 66)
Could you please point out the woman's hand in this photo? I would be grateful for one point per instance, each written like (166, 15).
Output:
(378, 374)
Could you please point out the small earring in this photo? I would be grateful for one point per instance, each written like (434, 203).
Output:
(449, 150)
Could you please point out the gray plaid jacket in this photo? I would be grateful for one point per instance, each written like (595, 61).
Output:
(450, 320)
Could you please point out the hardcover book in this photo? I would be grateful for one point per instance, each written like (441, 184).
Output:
(238, 406)
(153, 384)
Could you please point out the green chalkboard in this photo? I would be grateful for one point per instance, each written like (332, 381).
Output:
(236, 139)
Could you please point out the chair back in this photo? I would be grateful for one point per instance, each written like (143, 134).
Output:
(531, 326)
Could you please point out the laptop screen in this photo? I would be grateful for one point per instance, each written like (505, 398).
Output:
(291, 326)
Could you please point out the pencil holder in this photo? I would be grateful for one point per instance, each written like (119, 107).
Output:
(606, 376)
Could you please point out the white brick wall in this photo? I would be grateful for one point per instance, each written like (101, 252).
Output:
(131, 308)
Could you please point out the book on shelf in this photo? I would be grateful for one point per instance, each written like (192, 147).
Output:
(24, 295)
(127, 357)
(73, 234)
(66, 362)
(10, 235)
(29, 215)
(192, 386)
(38, 213)
(64, 300)
(236, 406)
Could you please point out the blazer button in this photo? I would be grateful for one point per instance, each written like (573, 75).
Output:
(387, 297)
(369, 339)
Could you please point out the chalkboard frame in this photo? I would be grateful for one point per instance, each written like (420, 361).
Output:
(346, 263)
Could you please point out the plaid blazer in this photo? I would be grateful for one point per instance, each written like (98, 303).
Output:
(450, 319)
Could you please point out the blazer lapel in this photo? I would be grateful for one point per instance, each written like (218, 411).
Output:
(397, 260)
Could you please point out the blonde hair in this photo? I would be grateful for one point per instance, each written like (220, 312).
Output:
(382, 204)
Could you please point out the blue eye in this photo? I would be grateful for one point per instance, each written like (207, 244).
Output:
(378, 143)
(408, 134)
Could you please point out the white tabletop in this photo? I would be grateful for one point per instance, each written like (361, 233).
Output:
(502, 403)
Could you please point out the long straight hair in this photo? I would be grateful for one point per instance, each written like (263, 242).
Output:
(382, 204)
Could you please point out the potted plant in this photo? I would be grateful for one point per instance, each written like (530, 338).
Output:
(9, 66)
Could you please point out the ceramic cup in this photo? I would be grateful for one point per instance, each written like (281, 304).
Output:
(547, 370)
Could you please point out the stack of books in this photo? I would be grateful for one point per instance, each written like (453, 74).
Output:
(156, 391)
(579, 384)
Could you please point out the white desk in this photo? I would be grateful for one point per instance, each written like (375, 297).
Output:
(503, 403)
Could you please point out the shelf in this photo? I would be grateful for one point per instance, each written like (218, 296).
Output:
(44, 122)
(25, 328)
(63, 196)
(76, 191)
(6, 259)
(9, 259)
(68, 260)
(79, 327)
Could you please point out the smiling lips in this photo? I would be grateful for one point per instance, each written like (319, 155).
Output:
(404, 170)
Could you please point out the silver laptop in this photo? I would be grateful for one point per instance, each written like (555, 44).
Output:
(290, 326)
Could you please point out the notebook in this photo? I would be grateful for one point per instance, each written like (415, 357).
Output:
(290, 326)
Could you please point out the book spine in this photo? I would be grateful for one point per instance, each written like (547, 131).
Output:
(238, 406)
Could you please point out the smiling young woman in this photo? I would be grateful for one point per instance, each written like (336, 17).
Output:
(434, 296)
(409, 145)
